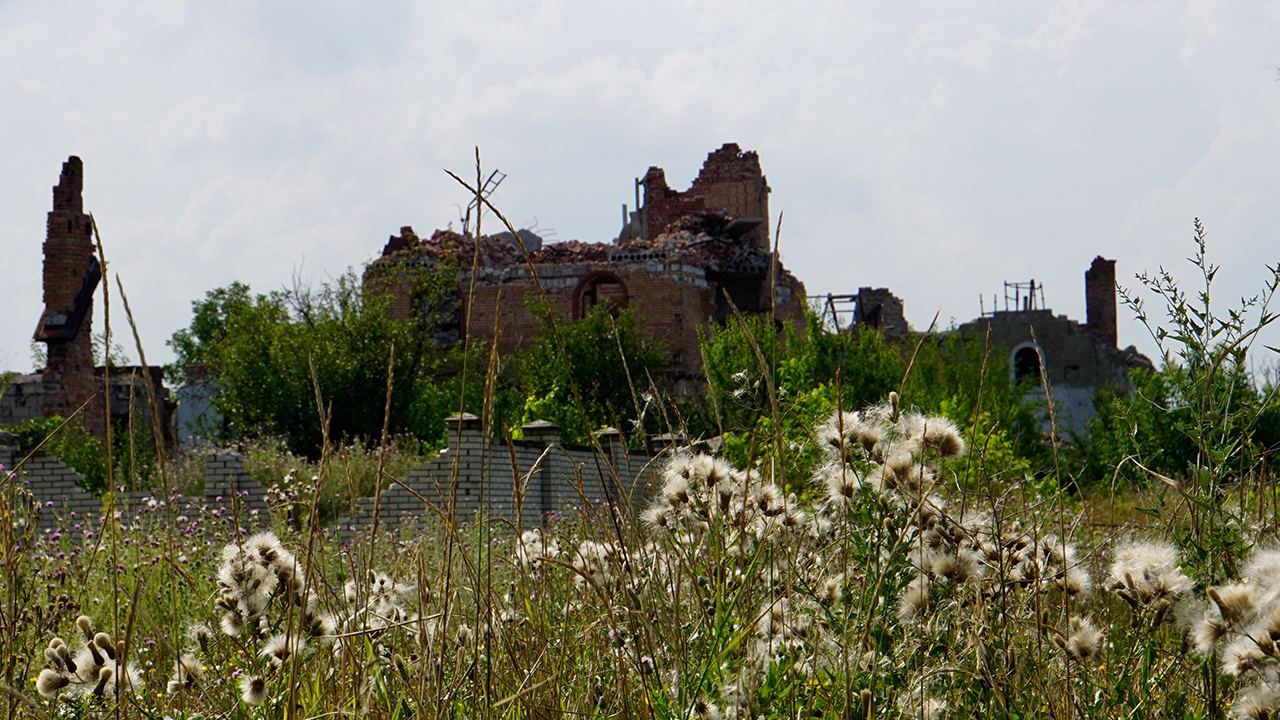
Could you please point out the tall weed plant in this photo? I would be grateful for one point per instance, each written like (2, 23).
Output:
(902, 570)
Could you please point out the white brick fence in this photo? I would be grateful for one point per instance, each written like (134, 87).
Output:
(528, 478)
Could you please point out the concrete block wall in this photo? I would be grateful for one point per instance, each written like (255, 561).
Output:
(24, 399)
(56, 489)
(529, 479)
(8, 452)
(225, 476)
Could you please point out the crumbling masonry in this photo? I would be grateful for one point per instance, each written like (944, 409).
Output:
(682, 260)
(71, 274)
(69, 382)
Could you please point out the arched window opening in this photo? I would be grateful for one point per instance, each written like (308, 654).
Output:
(1026, 364)
(601, 287)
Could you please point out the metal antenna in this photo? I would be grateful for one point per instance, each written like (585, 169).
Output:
(490, 185)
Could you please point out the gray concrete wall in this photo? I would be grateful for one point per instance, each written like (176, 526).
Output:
(196, 417)
(1077, 361)
(520, 482)
(1073, 356)
(23, 399)
(55, 491)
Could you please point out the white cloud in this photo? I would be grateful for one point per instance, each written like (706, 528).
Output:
(935, 149)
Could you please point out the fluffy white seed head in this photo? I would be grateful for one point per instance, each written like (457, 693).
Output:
(1258, 702)
(279, 648)
(1236, 602)
(188, 673)
(50, 682)
(253, 689)
(915, 599)
(1146, 572)
(1242, 656)
(1084, 639)
(842, 482)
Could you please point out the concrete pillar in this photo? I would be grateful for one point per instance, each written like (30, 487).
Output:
(466, 422)
(541, 431)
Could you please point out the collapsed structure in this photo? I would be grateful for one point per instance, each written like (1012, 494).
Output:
(69, 384)
(1076, 359)
(683, 259)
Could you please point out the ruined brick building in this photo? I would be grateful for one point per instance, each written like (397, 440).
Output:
(683, 259)
(1077, 358)
(70, 382)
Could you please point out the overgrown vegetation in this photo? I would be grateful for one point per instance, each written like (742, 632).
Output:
(267, 352)
(596, 372)
(74, 446)
(134, 449)
(769, 389)
(887, 534)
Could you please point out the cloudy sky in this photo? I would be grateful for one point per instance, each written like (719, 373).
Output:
(934, 148)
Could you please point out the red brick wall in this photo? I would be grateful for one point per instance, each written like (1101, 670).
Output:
(519, 328)
(730, 180)
(662, 205)
(671, 312)
(1100, 298)
(671, 304)
(668, 310)
(69, 251)
(671, 301)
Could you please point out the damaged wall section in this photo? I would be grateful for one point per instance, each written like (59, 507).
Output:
(69, 382)
(684, 260)
(1077, 358)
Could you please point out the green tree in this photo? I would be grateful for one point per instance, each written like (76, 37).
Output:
(772, 384)
(1200, 418)
(261, 349)
(960, 377)
(581, 375)
(1142, 426)
(196, 344)
(812, 372)
(1208, 428)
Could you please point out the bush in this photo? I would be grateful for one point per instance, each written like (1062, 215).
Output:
(71, 444)
(276, 356)
(587, 374)
(291, 480)
(768, 404)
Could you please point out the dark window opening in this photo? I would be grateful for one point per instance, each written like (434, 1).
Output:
(746, 295)
(1026, 364)
(602, 287)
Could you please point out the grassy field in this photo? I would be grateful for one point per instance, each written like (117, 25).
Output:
(883, 563)
(897, 582)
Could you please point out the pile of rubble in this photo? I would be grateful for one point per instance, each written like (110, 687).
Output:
(706, 240)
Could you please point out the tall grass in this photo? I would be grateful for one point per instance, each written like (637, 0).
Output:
(898, 580)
